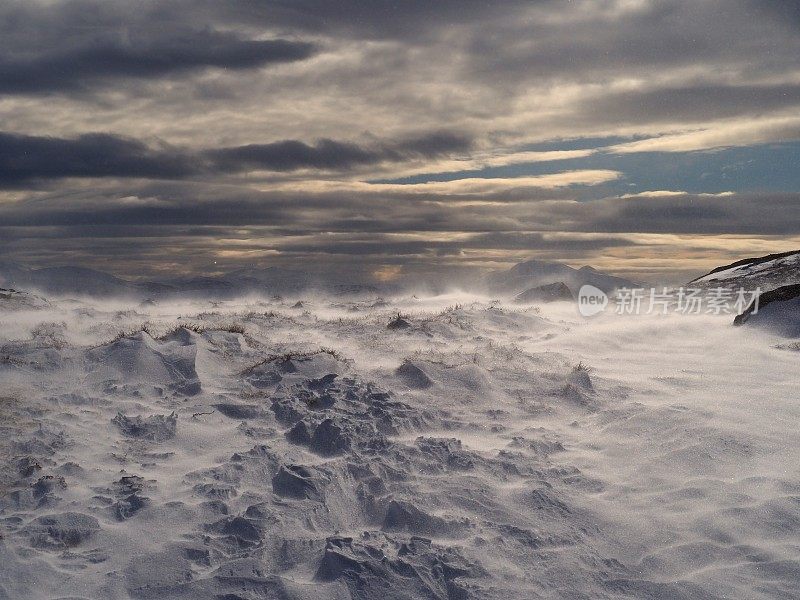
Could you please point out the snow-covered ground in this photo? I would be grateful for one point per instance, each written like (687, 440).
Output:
(273, 450)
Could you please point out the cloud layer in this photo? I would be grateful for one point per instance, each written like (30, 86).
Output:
(427, 135)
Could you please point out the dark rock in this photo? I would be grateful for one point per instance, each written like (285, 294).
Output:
(28, 466)
(447, 452)
(380, 567)
(287, 410)
(215, 491)
(579, 377)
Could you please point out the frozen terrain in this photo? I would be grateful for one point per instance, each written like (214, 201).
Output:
(300, 448)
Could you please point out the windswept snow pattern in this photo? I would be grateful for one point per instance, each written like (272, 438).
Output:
(304, 449)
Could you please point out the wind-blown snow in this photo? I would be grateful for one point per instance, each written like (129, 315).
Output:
(269, 449)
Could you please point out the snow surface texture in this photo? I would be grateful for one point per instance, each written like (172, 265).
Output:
(277, 449)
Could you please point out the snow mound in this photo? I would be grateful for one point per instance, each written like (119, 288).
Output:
(139, 359)
(778, 311)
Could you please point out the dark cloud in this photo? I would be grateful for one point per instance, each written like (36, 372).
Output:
(786, 12)
(26, 158)
(290, 155)
(73, 46)
(381, 19)
(433, 144)
(380, 246)
(694, 103)
(182, 206)
(76, 69)
(191, 224)
(751, 214)
(189, 116)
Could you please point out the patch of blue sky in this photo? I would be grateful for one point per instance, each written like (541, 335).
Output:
(756, 168)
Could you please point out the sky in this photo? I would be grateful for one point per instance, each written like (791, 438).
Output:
(649, 138)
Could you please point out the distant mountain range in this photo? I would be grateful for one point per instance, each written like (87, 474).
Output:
(531, 281)
(531, 274)
(69, 280)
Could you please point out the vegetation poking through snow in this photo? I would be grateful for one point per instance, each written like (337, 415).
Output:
(151, 330)
(294, 355)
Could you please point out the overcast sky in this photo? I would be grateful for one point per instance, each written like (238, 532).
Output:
(655, 138)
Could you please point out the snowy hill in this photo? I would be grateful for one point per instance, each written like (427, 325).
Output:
(767, 272)
(778, 278)
(11, 299)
